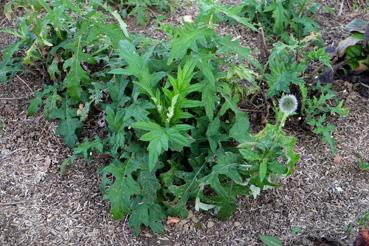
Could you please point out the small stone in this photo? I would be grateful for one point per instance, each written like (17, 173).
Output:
(237, 224)
(194, 219)
(210, 224)
(182, 222)
(190, 215)
(339, 189)
(187, 18)
(186, 227)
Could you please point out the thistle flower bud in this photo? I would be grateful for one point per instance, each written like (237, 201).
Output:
(288, 104)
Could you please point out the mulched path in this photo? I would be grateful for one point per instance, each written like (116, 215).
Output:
(322, 199)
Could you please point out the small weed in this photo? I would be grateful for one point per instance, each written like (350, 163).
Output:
(270, 240)
(165, 113)
(296, 230)
(363, 221)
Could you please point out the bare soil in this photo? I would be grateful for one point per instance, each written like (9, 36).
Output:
(38, 206)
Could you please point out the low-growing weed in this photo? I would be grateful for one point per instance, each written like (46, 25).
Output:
(142, 9)
(285, 73)
(363, 220)
(269, 240)
(318, 107)
(280, 18)
(163, 114)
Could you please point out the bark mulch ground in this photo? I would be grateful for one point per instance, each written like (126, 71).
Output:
(321, 200)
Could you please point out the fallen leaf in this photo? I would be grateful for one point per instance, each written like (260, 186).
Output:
(361, 68)
(344, 44)
(362, 238)
(357, 25)
(172, 220)
(337, 159)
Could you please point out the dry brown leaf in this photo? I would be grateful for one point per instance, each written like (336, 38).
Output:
(362, 239)
(337, 159)
(361, 68)
(172, 220)
(344, 44)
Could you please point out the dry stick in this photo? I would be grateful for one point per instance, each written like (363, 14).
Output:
(24, 82)
(13, 98)
(365, 85)
(2, 22)
(251, 110)
(341, 8)
(9, 154)
(264, 53)
(349, 6)
(12, 203)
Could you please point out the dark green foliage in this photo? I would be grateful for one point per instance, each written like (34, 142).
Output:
(318, 108)
(164, 113)
(141, 8)
(278, 17)
(281, 17)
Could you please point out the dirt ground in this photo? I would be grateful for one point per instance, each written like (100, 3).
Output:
(322, 199)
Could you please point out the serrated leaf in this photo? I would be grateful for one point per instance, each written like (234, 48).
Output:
(120, 192)
(150, 215)
(226, 44)
(87, 146)
(183, 192)
(188, 37)
(209, 88)
(228, 165)
(68, 124)
(280, 16)
(67, 129)
(240, 128)
(147, 212)
(161, 138)
(76, 74)
(213, 134)
(34, 104)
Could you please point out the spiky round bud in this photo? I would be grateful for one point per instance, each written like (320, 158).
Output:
(288, 104)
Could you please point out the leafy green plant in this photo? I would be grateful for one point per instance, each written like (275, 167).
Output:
(271, 152)
(318, 107)
(269, 240)
(363, 220)
(169, 115)
(288, 65)
(281, 17)
(285, 73)
(212, 12)
(141, 9)
(164, 115)
(353, 49)
(277, 17)
(363, 165)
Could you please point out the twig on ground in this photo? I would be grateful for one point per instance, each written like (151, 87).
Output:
(264, 52)
(24, 82)
(341, 8)
(2, 22)
(8, 154)
(12, 203)
(13, 98)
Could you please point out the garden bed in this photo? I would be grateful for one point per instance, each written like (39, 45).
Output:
(318, 204)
